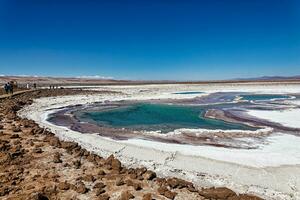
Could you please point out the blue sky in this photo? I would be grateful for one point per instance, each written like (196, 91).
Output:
(166, 39)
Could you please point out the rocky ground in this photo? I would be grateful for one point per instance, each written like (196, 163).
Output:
(35, 164)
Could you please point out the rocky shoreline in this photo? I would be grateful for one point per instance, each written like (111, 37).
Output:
(35, 164)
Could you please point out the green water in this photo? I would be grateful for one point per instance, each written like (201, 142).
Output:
(158, 117)
(263, 97)
(188, 92)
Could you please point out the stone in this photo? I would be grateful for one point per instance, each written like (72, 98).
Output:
(137, 186)
(56, 158)
(147, 196)
(54, 141)
(64, 186)
(165, 192)
(170, 195)
(161, 190)
(178, 183)
(77, 164)
(99, 191)
(119, 182)
(101, 172)
(80, 188)
(191, 188)
(16, 129)
(103, 197)
(14, 136)
(129, 182)
(108, 161)
(4, 191)
(132, 176)
(37, 150)
(149, 175)
(116, 165)
(217, 193)
(88, 178)
(99, 185)
(68, 145)
(244, 197)
(126, 195)
(140, 171)
(38, 196)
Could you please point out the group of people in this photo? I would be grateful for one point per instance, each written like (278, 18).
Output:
(9, 88)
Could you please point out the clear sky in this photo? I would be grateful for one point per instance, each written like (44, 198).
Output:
(150, 39)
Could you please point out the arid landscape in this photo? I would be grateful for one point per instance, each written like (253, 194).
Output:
(149, 100)
(35, 164)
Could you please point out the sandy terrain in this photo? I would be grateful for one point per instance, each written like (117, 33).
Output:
(270, 171)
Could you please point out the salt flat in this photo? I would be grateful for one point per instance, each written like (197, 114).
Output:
(290, 118)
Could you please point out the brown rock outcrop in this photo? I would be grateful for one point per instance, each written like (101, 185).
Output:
(217, 193)
(126, 195)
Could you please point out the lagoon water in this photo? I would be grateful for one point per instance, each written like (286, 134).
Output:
(263, 97)
(155, 117)
(193, 92)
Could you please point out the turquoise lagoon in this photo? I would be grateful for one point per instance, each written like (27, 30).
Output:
(153, 117)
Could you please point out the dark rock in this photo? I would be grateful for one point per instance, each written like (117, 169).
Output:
(4, 191)
(99, 191)
(16, 129)
(68, 145)
(147, 196)
(80, 188)
(217, 193)
(77, 164)
(38, 196)
(149, 175)
(161, 190)
(101, 172)
(178, 183)
(99, 185)
(170, 195)
(126, 195)
(37, 150)
(13, 136)
(165, 192)
(103, 197)
(137, 186)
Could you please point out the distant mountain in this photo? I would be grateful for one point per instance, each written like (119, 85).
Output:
(268, 78)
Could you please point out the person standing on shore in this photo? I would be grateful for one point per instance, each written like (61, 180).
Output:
(11, 88)
(6, 88)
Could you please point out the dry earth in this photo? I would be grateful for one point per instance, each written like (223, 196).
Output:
(34, 164)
